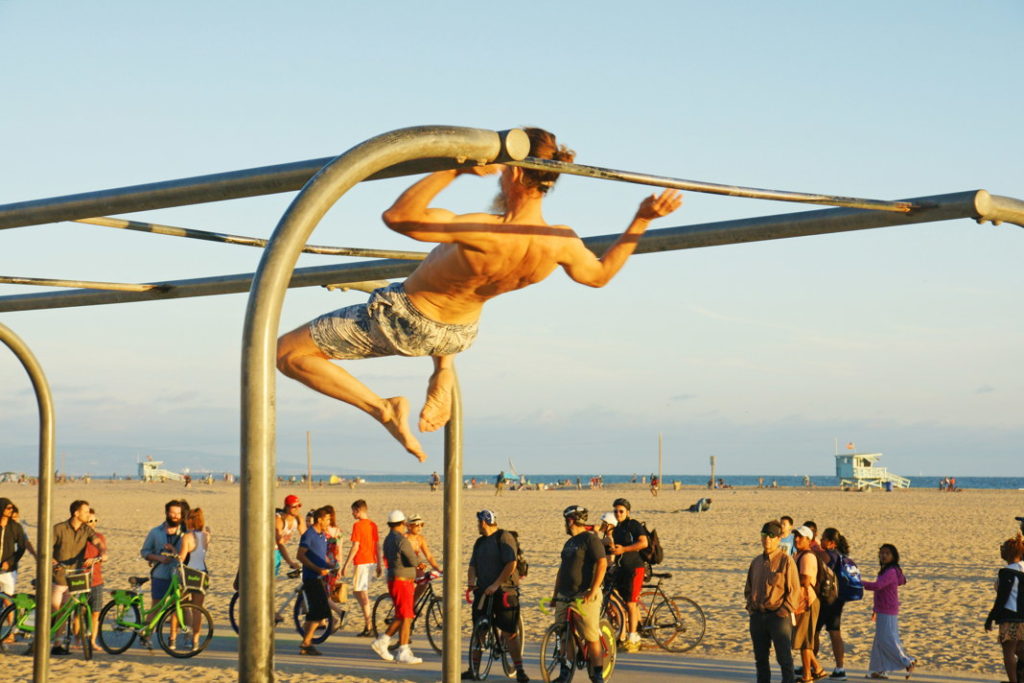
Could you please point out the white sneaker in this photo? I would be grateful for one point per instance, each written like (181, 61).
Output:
(634, 638)
(405, 656)
(380, 646)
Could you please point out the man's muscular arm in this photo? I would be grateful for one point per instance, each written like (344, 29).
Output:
(583, 267)
(412, 216)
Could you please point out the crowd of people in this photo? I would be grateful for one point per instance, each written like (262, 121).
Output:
(790, 602)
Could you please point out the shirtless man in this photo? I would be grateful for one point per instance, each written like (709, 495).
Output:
(435, 311)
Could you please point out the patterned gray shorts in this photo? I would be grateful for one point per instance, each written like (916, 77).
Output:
(387, 325)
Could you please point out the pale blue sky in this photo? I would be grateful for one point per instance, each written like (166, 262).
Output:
(905, 340)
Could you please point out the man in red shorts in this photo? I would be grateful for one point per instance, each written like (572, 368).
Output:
(629, 537)
(401, 562)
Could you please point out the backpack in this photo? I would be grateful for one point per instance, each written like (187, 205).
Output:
(851, 587)
(654, 553)
(522, 566)
(827, 585)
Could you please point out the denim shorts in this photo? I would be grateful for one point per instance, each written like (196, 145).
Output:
(387, 325)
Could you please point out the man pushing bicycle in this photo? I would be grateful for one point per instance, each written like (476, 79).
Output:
(492, 575)
(580, 576)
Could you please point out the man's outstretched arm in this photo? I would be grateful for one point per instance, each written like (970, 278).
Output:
(411, 214)
(583, 267)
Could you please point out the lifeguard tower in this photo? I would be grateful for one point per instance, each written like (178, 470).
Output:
(150, 470)
(858, 471)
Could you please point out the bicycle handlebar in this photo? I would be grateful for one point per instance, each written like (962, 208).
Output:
(577, 602)
(664, 575)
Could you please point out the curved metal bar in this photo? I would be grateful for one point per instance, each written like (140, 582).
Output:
(451, 596)
(225, 238)
(711, 188)
(44, 537)
(83, 284)
(262, 321)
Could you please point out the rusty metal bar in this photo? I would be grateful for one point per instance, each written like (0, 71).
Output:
(225, 238)
(711, 188)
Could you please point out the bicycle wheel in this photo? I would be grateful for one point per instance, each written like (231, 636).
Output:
(609, 650)
(82, 621)
(615, 613)
(8, 618)
(552, 654)
(233, 612)
(435, 624)
(677, 624)
(191, 636)
(481, 650)
(324, 629)
(506, 657)
(383, 613)
(115, 634)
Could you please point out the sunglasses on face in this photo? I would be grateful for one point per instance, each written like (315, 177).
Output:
(769, 534)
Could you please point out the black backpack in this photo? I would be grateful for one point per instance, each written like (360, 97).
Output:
(522, 566)
(654, 553)
(827, 585)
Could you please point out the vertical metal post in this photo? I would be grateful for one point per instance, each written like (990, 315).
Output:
(451, 652)
(44, 538)
(259, 344)
(309, 463)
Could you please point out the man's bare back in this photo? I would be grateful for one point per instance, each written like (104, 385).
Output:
(479, 256)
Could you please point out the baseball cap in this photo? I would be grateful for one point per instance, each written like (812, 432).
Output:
(609, 518)
(804, 531)
(292, 500)
(487, 517)
(396, 516)
(1019, 519)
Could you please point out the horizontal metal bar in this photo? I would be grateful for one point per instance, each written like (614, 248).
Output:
(226, 238)
(821, 222)
(711, 188)
(84, 284)
(215, 187)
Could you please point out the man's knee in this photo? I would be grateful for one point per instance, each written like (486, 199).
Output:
(293, 347)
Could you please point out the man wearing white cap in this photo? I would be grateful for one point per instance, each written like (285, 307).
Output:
(400, 558)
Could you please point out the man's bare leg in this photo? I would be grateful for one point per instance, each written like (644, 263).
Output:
(301, 359)
(437, 409)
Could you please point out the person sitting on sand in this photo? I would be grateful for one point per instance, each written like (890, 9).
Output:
(436, 310)
(702, 505)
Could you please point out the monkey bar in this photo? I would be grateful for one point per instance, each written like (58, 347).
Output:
(323, 182)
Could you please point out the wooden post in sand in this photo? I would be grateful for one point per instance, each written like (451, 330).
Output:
(660, 444)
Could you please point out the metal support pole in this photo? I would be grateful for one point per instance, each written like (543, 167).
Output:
(976, 204)
(452, 605)
(44, 537)
(259, 343)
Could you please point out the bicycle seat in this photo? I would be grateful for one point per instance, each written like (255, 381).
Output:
(137, 580)
(664, 575)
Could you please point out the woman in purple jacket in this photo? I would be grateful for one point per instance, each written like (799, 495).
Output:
(887, 652)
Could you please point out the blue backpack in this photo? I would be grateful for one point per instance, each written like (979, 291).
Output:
(851, 587)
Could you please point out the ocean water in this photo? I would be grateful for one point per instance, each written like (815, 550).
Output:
(744, 480)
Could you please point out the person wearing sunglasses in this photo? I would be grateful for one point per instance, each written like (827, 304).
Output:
(772, 594)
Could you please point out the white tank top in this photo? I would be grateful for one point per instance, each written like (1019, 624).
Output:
(197, 558)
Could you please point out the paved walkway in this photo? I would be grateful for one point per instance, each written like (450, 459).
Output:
(348, 655)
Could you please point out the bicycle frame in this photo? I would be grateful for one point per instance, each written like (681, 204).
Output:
(171, 599)
(25, 605)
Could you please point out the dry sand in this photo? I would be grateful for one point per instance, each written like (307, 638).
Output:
(949, 546)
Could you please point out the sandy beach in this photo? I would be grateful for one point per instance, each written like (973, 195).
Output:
(949, 546)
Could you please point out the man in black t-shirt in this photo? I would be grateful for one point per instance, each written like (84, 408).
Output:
(629, 538)
(580, 576)
(492, 575)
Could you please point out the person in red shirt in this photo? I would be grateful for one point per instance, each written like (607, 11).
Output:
(96, 557)
(365, 555)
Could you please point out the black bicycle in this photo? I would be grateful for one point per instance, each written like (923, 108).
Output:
(297, 599)
(487, 643)
(675, 623)
(428, 604)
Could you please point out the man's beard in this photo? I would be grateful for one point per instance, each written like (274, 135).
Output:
(499, 204)
(173, 522)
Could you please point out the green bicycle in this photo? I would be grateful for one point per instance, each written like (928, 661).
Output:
(183, 629)
(19, 617)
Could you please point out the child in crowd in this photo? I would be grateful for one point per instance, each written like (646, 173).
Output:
(887, 652)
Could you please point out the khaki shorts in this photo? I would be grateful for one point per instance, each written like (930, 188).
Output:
(362, 575)
(589, 611)
(803, 634)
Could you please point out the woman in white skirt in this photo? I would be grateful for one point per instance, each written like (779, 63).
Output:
(887, 652)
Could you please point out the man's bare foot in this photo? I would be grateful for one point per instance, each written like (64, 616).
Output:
(437, 409)
(395, 418)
